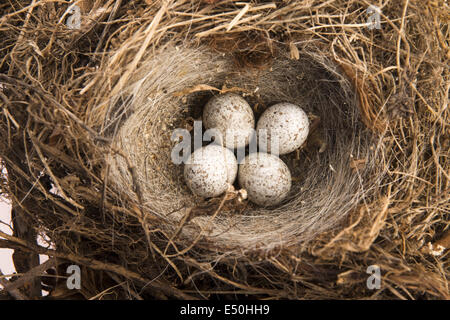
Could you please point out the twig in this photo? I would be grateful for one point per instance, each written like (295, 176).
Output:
(112, 15)
(13, 292)
(18, 83)
(126, 288)
(32, 273)
(157, 286)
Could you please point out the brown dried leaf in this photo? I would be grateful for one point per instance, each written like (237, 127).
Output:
(294, 51)
(199, 87)
(357, 164)
(205, 87)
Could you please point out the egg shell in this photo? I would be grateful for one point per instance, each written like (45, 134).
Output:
(209, 170)
(286, 122)
(265, 177)
(232, 116)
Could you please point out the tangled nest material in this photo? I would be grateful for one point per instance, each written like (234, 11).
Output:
(88, 116)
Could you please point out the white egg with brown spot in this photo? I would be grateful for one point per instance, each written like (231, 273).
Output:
(232, 116)
(265, 177)
(285, 124)
(210, 170)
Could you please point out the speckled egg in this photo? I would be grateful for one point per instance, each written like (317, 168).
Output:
(232, 116)
(265, 177)
(209, 170)
(286, 122)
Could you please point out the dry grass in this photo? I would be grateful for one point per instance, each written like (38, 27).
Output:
(91, 111)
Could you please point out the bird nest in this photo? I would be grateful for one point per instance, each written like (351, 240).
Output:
(89, 114)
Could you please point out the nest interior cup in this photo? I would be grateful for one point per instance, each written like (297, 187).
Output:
(325, 187)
